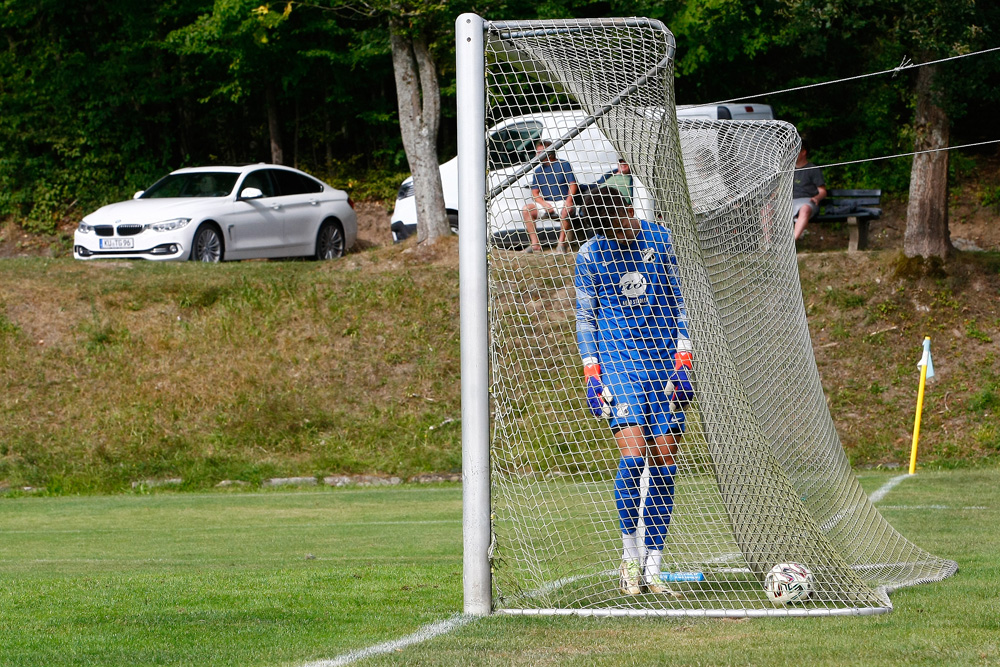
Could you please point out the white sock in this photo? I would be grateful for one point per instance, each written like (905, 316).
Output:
(630, 547)
(653, 560)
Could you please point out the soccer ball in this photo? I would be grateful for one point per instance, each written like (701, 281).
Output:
(788, 582)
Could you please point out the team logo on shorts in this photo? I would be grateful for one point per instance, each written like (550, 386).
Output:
(632, 285)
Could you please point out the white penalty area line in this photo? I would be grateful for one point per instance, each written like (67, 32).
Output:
(884, 490)
(433, 630)
(423, 634)
(875, 497)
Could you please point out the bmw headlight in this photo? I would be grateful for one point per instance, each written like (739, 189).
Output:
(170, 225)
(84, 228)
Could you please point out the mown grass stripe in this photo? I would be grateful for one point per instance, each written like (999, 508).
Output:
(209, 529)
(931, 507)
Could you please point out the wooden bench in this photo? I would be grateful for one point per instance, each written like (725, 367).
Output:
(855, 207)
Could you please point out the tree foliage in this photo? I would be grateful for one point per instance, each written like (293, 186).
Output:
(98, 99)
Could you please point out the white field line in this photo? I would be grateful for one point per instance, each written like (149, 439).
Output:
(443, 627)
(735, 555)
(433, 630)
(423, 634)
(834, 520)
(552, 586)
(881, 492)
(875, 497)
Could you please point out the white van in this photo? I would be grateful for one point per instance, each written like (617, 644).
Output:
(732, 111)
(511, 145)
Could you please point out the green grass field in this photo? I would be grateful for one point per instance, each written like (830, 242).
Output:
(285, 578)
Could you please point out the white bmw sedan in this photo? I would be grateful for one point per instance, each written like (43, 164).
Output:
(211, 214)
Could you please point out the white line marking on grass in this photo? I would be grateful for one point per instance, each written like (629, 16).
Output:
(553, 586)
(886, 488)
(443, 627)
(434, 629)
(832, 522)
(931, 507)
(423, 634)
(875, 497)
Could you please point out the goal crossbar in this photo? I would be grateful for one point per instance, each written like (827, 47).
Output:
(589, 120)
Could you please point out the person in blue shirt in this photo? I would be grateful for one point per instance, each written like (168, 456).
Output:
(631, 329)
(553, 187)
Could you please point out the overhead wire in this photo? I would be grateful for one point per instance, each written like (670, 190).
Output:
(904, 65)
(890, 157)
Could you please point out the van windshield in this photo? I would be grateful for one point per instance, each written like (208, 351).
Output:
(514, 144)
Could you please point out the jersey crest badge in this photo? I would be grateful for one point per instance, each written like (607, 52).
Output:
(648, 254)
(632, 285)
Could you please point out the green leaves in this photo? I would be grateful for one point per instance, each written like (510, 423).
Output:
(99, 99)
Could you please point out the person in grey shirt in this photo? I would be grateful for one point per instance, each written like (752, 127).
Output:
(808, 189)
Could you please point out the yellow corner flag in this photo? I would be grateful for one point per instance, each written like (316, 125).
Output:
(926, 366)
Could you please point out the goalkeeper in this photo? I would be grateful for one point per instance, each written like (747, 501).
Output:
(632, 334)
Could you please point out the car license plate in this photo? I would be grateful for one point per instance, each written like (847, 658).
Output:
(116, 244)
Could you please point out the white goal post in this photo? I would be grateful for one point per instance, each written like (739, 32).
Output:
(551, 493)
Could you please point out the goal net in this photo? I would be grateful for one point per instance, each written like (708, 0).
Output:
(761, 477)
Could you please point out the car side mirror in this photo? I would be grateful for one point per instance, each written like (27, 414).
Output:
(251, 193)
(138, 194)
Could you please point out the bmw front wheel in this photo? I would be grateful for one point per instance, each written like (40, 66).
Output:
(207, 245)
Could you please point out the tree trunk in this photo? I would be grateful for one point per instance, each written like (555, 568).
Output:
(419, 116)
(295, 139)
(327, 131)
(274, 126)
(927, 232)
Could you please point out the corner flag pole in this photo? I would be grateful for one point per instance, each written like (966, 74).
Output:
(926, 371)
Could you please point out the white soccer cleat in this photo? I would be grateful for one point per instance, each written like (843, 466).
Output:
(655, 585)
(629, 575)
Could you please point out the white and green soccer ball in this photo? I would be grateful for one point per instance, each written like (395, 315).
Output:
(787, 583)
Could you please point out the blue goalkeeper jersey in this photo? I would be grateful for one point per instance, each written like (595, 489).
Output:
(629, 309)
